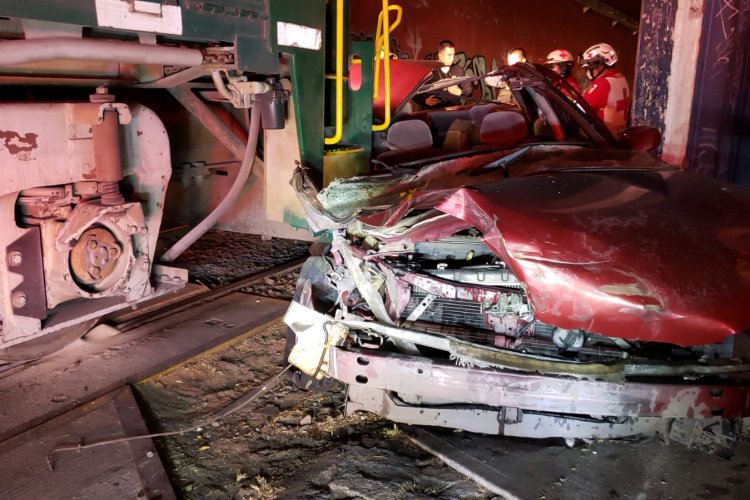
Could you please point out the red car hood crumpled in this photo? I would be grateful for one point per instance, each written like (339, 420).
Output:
(654, 255)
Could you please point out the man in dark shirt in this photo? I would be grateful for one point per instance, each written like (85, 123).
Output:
(450, 96)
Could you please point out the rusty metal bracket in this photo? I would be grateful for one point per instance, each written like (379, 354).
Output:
(208, 119)
(24, 257)
(123, 112)
(93, 113)
(606, 10)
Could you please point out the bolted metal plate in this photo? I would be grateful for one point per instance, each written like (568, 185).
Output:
(24, 257)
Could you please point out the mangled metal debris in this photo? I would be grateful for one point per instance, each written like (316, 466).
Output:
(542, 290)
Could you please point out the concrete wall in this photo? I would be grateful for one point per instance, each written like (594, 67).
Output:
(655, 50)
(692, 83)
(484, 30)
(718, 143)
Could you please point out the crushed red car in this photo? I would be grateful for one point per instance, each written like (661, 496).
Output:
(513, 268)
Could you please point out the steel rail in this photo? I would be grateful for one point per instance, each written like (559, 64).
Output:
(9, 367)
(211, 295)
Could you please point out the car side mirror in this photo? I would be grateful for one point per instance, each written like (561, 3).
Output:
(640, 139)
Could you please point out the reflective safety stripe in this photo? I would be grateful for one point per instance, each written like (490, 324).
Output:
(297, 35)
(138, 15)
(618, 103)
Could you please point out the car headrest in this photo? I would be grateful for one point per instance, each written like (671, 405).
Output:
(408, 135)
(479, 111)
(503, 128)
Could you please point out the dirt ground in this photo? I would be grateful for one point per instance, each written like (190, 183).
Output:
(221, 257)
(289, 443)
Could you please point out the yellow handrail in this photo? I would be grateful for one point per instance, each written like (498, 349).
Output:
(386, 42)
(339, 128)
(379, 43)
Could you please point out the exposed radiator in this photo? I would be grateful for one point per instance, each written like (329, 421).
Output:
(448, 312)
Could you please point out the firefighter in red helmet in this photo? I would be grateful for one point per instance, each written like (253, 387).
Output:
(561, 62)
(609, 93)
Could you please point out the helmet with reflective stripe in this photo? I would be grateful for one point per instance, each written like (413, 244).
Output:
(559, 56)
(601, 52)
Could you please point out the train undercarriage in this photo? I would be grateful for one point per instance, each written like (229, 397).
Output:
(118, 118)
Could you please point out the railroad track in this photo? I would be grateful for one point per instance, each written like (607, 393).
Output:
(149, 316)
(211, 295)
(154, 342)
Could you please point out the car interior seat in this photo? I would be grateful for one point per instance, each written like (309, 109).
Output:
(478, 112)
(441, 121)
(503, 128)
(408, 140)
(409, 135)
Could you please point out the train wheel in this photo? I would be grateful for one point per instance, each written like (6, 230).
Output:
(47, 344)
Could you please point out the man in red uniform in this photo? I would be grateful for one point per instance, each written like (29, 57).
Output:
(561, 62)
(609, 93)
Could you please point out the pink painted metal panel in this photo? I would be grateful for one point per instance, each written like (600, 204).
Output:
(448, 382)
(405, 75)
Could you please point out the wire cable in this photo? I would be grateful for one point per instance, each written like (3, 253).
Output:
(224, 412)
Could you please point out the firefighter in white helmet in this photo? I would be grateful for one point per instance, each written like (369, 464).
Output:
(608, 93)
(561, 62)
